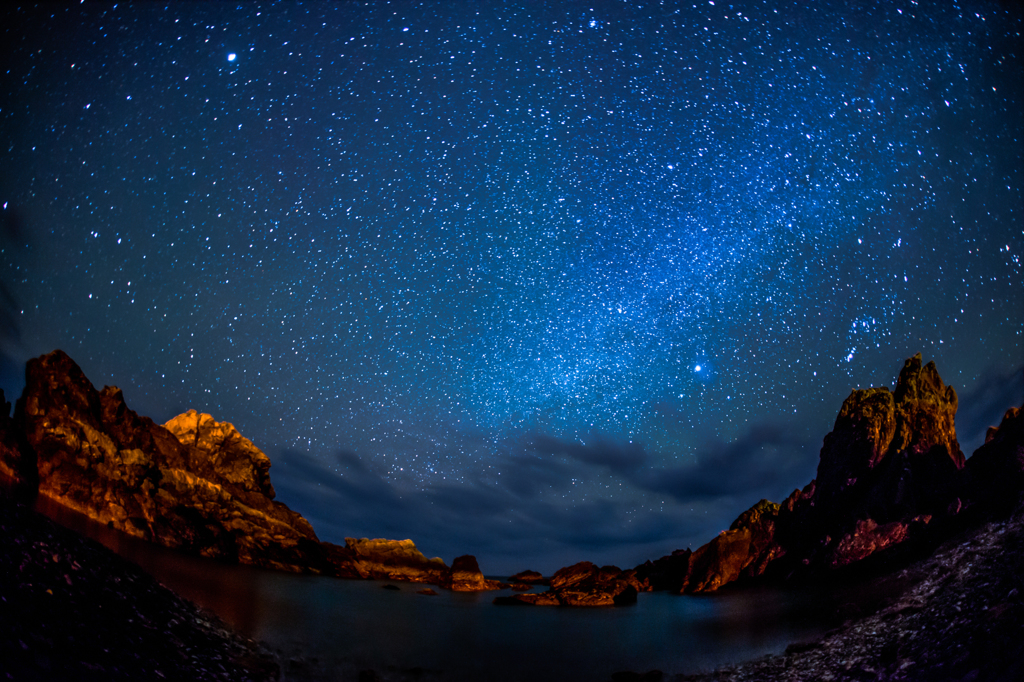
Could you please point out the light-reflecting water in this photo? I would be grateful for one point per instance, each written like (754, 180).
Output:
(342, 626)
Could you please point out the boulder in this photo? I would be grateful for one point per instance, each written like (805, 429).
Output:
(528, 577)
(465, 576)
(583, 584)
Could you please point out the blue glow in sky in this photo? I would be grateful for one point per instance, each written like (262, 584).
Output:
(514, 279)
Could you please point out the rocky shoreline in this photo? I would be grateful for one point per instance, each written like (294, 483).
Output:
(962, 619)
(71, 609)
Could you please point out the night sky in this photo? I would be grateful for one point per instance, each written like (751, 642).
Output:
(540, 282)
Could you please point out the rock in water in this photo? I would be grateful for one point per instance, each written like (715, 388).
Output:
(528, 577)
(583, 584)
(382, 559)
(465, 576)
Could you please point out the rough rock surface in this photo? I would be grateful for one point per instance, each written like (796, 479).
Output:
(891, 477)
(224, 455)
(721, 561)
(465, 576)
(583, 584)
(961, 619)
(100, 458)
(70, 609)
(382, 559)
(195, 484)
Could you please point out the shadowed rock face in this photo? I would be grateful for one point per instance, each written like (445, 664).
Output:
(996, 470)
(17, 465)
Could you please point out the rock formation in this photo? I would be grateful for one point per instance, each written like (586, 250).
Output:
(530, 577)
(583, 584)
(465, 576)
(382, 559)
(888, 469)
(17, 466)
(194, 484)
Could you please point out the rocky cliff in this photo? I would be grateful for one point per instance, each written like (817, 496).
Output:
(891, 477)
(194, 484)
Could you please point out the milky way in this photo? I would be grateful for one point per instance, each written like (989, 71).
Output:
(549, 275)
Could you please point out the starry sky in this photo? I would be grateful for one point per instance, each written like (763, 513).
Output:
(540, 282)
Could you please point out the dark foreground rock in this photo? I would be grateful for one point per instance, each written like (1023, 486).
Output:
(962, 620)
(70, 609)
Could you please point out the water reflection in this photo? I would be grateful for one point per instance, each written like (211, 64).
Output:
(350, 625)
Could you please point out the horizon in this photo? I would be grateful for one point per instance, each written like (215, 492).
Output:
(540, 285)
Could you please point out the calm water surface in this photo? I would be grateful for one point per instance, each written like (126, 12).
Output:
(342, 626)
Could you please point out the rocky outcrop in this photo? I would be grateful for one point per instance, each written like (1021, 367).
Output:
(195, 484)
(891, 455)
(583, 584)
(100, 458)
(465, 576)
(740, 550)
(222, 454)
(528, 577)
(17, 465)
(995, 472)
(382, 559)
(891, 473)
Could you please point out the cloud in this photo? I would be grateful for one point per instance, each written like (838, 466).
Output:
(527, 511)
(984, 406)
(617, 457)
(762, 461)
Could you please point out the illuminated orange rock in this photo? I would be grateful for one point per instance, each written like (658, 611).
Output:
(383, 559)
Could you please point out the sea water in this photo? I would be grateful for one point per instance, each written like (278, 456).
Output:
(326, 628)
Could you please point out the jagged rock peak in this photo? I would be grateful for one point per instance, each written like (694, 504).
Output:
(915, 420)
(926, 409)
(223, 453)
